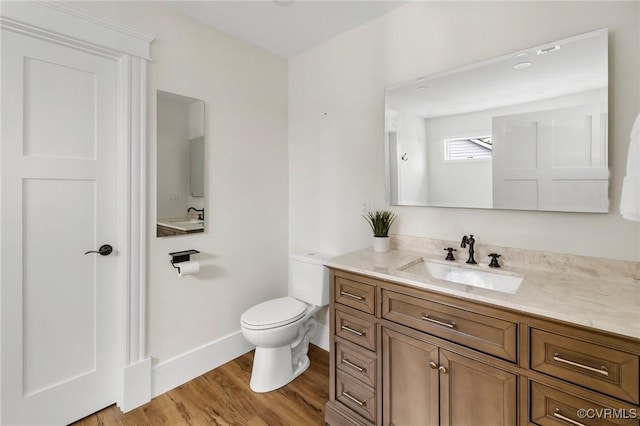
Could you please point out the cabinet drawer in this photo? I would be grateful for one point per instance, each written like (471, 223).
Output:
(355, 294)
(356, 395)
(590, 365)
(486, 334)
(552, 407)
(357, 330)
(356, 363)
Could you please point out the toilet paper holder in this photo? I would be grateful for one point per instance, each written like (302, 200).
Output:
(181, 256)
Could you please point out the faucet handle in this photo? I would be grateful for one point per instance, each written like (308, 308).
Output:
(450, 254)
(494, 260)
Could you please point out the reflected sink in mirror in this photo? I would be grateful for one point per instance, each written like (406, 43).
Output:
(505, 282)
(183, 225)
(179, 222)
(180, 164)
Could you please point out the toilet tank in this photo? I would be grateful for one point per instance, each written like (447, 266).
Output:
(309, 277)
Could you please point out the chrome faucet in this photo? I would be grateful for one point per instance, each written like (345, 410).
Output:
(471, 241)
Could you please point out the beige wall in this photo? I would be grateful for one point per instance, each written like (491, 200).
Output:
(335, 158)
(336, 98)
(244, 250)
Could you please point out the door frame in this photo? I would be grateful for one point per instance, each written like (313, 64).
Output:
(62, 24)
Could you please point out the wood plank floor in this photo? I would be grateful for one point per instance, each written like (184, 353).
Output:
(222, 397)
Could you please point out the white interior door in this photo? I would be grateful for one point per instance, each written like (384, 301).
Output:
(58, 160)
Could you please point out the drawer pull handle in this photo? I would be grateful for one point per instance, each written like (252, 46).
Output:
(602, 370)
(451, 324)
(356, 400)
(351, 330)
(352, 365)
(557, 415)
(353, 296)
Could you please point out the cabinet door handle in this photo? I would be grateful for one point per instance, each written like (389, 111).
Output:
(557, 415)
(442, 369)
(426, 317)
(433, 365)
(351, 295)
(356, 400)
(351, 330)
(603, 370)
(352, 365)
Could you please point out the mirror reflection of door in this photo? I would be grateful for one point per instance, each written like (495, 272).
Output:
(544, 109)
(543, 163)
(180, 208)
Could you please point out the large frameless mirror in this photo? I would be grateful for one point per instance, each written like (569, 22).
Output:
(180, 165)
(524, 131)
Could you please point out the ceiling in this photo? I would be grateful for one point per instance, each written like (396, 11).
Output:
(580, 64)
(284, 27)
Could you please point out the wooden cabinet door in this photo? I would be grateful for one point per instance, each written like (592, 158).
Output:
(475, 393)
(410, 384)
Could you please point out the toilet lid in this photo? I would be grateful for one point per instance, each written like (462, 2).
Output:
(274, 313)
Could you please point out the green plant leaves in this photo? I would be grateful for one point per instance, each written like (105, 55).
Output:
(380, 221)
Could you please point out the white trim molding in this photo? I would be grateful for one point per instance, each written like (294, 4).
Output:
(136, 389)
(171, 373)
(321, 337)
(63, 24)
(180, 369)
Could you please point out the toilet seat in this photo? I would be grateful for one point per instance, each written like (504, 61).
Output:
(273, 313)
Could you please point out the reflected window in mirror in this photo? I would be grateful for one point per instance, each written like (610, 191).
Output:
(527, 130)
(471, 148)
(180, 194)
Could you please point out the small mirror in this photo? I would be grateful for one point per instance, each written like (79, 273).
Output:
(180, 165)
(524, 131)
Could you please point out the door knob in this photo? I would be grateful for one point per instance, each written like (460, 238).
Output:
(442, 369)
(433, 365)
(104, 250)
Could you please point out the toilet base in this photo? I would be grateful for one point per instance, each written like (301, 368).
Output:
(272, 368)
(275, 367)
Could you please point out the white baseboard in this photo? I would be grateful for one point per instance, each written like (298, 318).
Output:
(180, 369)
(321, 338)
(189, 365)
(137, 385)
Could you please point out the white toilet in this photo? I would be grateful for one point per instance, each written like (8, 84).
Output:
(282, 328)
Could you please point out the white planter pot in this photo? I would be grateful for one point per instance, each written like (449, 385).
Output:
(381, 244)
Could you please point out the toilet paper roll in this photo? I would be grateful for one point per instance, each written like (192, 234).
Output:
(187, 268)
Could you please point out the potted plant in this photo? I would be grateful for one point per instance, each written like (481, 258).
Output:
(380, 221)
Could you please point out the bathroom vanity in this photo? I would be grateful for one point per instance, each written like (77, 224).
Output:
(409, 349)
(179, 226)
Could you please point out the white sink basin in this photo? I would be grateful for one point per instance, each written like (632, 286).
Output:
(505, 282)
(186, 222)
(183, 224)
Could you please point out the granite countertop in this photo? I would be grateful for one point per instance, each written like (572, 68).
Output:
(608, 304)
